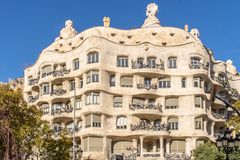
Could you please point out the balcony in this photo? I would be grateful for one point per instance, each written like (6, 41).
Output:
(147, 86)
(218, 115)
(177, 156)
(199, 66)
(151, 154)
(141, 65)
(61, 110)
(33, 82)
(60, 73)
(149, 106)
(149, 126)
(32, 99)
(58, 92)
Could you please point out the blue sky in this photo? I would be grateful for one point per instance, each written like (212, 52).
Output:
(29, 26)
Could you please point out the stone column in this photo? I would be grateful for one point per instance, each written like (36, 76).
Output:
(167, 145)
(205, 125)
(102, 121)
(117, 79)
(105, 149)
(212, 129)
(188, 146)
(141, 144)
(161, 147)
(83, 121)
(110, 148)
(154, 145)
(50, 108)
(134, 143)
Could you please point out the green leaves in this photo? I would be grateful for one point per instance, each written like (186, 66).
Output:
(29, 132)
(207, 151)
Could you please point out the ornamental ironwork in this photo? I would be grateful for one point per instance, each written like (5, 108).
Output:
(33, 82)
(33, 98)
(59, 73)
(177, 156)
(145, 125)
(149, 106)
(218, 115)
(147, 86)
(140, 65)
(58, 92)
(199, 66)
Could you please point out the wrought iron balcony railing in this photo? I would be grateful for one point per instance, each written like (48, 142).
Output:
(144, 125)
(177, 156)
(141, 65)
(32, 99)
(151, 154)
(148, 87)
(33, 82)
(61, 110)
(199, 66)
(59, 73)
(58, 92)
(218, 115)
(149, 106)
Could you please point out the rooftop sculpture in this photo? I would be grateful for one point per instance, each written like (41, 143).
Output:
(68, 31)
(151, 13)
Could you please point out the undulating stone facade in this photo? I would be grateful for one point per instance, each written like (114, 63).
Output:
(147, 93)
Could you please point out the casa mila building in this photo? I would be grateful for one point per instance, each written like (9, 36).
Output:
(140, 94)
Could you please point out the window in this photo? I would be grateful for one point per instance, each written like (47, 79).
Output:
(78, 103)
(164, 83)
(198, 102)
(72, 85)
(195, 63)
(117, 101)
(197, 82)
(121, 122)
(126, 81)
(76, 64)
(147, 81)
(122, 61)
(184, 83)
(137, 101)
(120, 147)
(93, 57)
(199, 123)
(93, 98)
(173, 123)
(81, 83)
(45, 89)
(171, 103)
(57, 108)
(46, 71)
(88, 119)
(93, 120)
(45, 108)
(57, 127)
(96, 120)
(92, 76)
(177, 146)
(140, 62)
(172, 62)
(151, 62)
(70, 126)
(112, 80)
(93, 144)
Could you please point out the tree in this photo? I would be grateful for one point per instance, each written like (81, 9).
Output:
(20, 124)
(234, 121)
(55, 148)
(207, 151)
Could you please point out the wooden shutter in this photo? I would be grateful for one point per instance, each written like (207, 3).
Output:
(96, 144)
